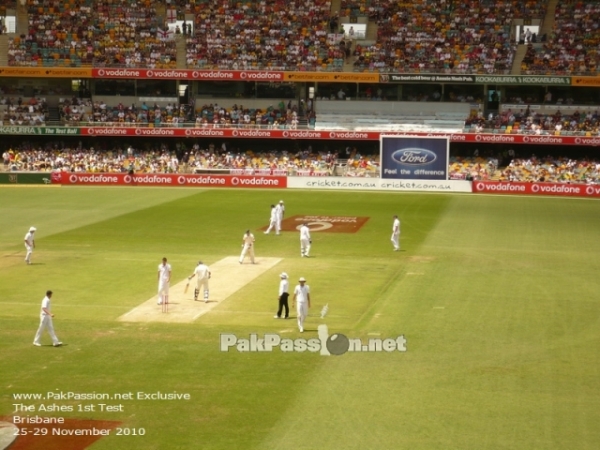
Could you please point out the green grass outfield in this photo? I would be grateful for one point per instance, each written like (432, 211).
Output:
(496, 296)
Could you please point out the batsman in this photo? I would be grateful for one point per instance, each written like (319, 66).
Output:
(202, 272)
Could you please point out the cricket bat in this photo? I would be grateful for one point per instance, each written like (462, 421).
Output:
(187, 286)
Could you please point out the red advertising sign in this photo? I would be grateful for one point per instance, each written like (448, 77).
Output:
(160, 179)
(525, 188)
(248, 133)
(185, 74)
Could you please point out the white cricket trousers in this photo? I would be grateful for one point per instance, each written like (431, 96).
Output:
(45, 324)
(249, 249)
(302, 310)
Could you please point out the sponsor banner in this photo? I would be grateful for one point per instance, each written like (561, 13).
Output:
(377, 184)
(46, 72)
(311, 173)
(585, 81)
(523, 80)
(55, 131)
(414, 158)
(328, 224)
(25, 178)
(243, 133)
(397, 78)
(159, 179)
(186, 74)
(525, 188)
(332, 77)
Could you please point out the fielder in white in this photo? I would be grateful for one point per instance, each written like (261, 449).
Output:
(46, 323)
(29, 244)
(280, 212)
(164, 278)
(272, 220)
(203, 273)
(302, 302)
(396, 234)
(247, 246)
(305, 240)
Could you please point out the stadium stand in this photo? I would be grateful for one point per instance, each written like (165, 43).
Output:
(75, 33)
(572, 48)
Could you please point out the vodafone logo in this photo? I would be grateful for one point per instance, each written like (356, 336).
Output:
(127, 179)
(234, 133)
(592, 190)
(73, 179)
(101, 72)
(90, 131)
(235, 181)
(138, 131)
(195, 74)
(181, 180)
(261, 75)
(480, 187)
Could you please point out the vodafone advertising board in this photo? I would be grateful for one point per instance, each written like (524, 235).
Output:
(184, 74)
(250, 133)
(177, 180)
(524, 188)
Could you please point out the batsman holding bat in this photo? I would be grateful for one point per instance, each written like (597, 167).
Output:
(203, 273)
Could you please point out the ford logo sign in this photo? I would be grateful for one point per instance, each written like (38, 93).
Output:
(414, 156)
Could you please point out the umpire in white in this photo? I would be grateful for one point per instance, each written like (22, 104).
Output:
(284, 288)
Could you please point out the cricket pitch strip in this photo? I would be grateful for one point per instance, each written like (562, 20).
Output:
(227, 277)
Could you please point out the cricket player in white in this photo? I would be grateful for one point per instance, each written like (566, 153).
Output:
(272, 220)
(203, 273)
(302, 302)
(29, 244)
(164, 278)
(46, 323)
(396, 234)
(305, 240)
(280, 212)
(247, 246)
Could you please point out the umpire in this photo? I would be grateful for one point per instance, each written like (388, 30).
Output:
(284, 287)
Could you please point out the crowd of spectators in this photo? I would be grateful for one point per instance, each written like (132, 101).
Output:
(527, 121)
(83, 32)
(162, 159)
(445, 37)
(442, 37)
(282, 116)
(270, 34)
(572, 48)
(19, 112)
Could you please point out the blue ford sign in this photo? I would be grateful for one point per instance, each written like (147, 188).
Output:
(414, 157)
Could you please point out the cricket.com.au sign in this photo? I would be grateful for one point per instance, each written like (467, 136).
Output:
(414, 157)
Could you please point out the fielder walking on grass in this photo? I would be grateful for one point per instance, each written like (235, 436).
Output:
(302, 301)
(164, 278)
(284, 287)
(247, 246)
(279, 213)
(46, 323)
(272, 220)
(305, 240)
(29, 244)
(203, 273)
(396, 234)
